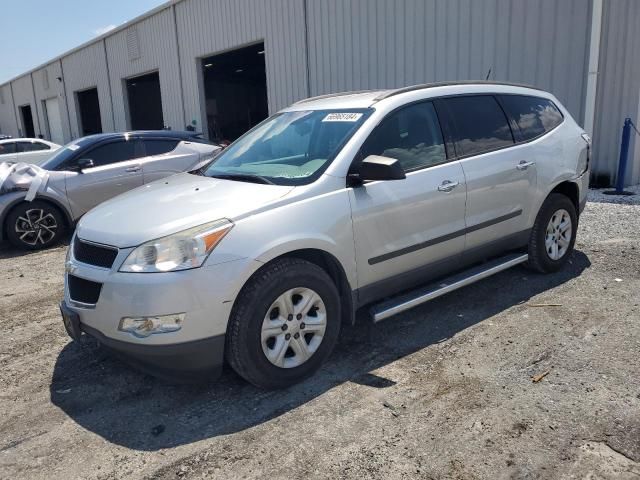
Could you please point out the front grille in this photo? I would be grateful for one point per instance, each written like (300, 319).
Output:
(94, 254)
(83, 291)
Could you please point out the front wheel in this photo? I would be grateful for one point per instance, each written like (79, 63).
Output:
(284, 324)
(34, 225)
(553, 235)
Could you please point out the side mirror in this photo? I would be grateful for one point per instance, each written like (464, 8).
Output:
(376, 167)
(84, 163)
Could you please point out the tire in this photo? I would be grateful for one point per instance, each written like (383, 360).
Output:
(34, 225)
(252, 338)
(555, 210)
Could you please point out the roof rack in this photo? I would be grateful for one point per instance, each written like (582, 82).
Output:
(331, 95)
(446, 84)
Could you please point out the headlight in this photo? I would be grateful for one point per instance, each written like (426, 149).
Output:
(180, 251)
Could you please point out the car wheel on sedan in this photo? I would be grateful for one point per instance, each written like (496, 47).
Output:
(284, 324)
(553, 235)
(34, 225)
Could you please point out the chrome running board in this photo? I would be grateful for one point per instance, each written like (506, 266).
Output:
(414, 298)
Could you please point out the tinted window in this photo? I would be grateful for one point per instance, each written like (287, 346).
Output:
(159, 146)
(6, 148)
(111, 153)
(31, 146)
(479, 124)
(534, 116)
(411, 135)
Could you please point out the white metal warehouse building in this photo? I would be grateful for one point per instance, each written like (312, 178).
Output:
(220, 66)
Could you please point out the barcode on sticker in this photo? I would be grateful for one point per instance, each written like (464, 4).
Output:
(342, 117)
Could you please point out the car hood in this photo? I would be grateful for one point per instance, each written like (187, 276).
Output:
(171, 205)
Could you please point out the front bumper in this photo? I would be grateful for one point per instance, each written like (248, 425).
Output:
(205, 295)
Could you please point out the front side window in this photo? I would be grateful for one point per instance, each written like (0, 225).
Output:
(291, 148)
(6, 148)
(113, 152)
(479, 124)
(411, 135)
(535, 116)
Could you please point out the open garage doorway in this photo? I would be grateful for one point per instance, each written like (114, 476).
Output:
(89, 112)
(235, 87)
(145, 103)
(27, 121)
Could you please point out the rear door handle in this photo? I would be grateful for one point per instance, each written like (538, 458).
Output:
(135, 168)
(447, 186)
(523, 165)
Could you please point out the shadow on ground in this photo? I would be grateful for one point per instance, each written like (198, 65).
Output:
(127, 408)
(9, 251)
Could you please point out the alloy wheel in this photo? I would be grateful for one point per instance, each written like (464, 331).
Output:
(558, 234)
(36, 227)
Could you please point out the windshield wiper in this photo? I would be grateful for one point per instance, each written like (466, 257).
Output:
(244, 177)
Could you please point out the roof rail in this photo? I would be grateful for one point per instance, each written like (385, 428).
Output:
(446, 84)
(331, 95)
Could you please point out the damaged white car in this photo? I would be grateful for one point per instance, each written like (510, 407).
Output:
(38, 203)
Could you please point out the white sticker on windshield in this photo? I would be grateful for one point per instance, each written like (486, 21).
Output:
(342, 117)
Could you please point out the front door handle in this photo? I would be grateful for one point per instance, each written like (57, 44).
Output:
(447, 186)
(523, 165)
(135, 168)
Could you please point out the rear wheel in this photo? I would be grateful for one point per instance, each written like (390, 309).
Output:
(284, 324)
(553, 235)
(34, 225)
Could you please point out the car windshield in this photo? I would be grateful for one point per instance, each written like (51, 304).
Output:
(62, 154)
(291, 148)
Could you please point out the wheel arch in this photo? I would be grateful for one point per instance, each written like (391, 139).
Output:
(330, 264)
(68, 220)
(569, 189)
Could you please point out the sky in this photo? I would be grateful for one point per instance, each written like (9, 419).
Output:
(35, 31)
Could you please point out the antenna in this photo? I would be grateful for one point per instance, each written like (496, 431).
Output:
(488, 74)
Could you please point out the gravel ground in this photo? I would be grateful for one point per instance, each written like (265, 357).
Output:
(443, 391)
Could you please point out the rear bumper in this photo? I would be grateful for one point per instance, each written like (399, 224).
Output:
(182, 362)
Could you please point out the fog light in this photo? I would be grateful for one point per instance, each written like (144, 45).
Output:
(145, 326)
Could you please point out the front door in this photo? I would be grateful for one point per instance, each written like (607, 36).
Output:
(116, 169)
(408, 231)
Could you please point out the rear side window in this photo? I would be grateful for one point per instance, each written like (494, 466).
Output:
(160, 146)
(32, 146)
(479, 124)
(411, 135)
(113, 152)
(6, 148)
(534, 116)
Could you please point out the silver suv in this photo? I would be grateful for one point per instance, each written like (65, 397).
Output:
(38, 204)
(335, 203)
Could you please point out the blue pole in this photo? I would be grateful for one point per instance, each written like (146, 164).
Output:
(624, 154)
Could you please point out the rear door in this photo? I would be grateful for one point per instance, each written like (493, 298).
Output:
(501, 177)
(116, 170)
(164, 157)
(408, 230)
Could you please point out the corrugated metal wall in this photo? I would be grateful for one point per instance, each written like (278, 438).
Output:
(157, 50)
(8, 124)
(23, 95)
(86, 69)
(361, 44)
(618, 87)
(206, 27)
(46, 85)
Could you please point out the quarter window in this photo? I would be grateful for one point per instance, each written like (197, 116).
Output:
(534, 116)
(479, 124)
(159, 146)
(411, 135)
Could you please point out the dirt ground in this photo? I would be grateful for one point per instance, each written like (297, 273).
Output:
(443, 391)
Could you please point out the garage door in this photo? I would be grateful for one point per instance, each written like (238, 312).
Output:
(54, 120)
